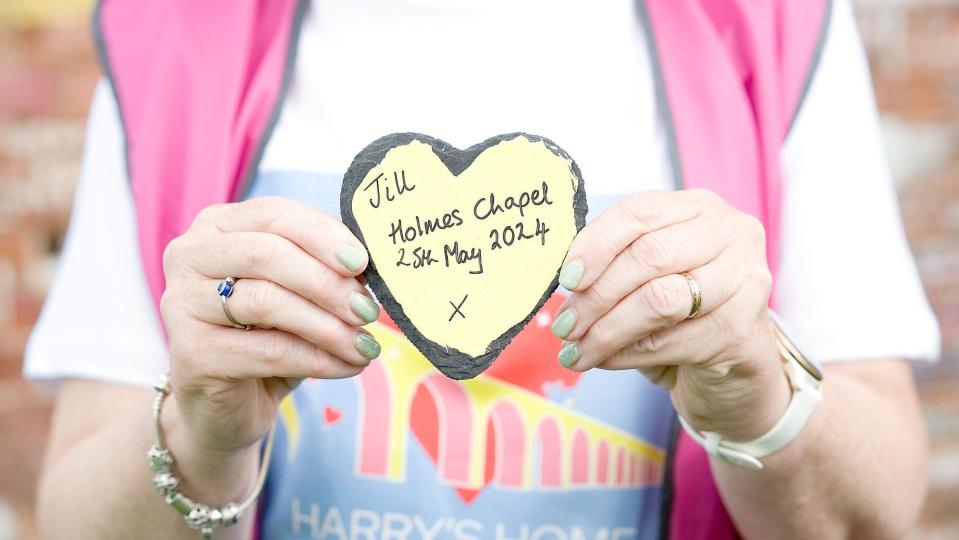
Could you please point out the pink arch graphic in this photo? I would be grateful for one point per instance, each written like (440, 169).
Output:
(620, 478)
(550, 453)
(627, 469)
(455, 427)
(653, 473)
(580, 472)
(634, 470)
(602, 463)
(510, 440)
(373, 446)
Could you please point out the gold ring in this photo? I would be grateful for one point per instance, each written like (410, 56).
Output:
(697, 292)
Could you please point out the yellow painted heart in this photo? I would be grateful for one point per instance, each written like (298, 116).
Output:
(465, 245)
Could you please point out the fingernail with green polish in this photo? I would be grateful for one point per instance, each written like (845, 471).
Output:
(364, 308)
(351, 257)
(568, 355)
(367, 345)
(563, 324)
(571, 273)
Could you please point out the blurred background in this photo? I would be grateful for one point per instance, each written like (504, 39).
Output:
(47, 73)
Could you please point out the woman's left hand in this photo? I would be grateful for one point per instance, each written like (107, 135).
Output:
(631, 304)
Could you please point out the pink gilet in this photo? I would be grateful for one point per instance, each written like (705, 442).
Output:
(199, 86)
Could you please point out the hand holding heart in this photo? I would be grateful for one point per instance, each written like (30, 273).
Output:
(297, 284)
(630, 306)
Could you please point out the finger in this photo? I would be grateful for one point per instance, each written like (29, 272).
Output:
(658, 304)
(670, 250)
(324, 237)
(273, 258)
(606, 236)
(265, 304)
(231, 354)
(690, 342)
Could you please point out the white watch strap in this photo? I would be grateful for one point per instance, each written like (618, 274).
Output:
(805, 397)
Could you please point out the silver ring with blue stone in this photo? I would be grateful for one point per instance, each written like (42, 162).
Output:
(225, 290)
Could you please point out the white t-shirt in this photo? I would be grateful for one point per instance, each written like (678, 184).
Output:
(580, 76)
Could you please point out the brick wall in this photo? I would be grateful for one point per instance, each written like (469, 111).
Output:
(47, 72)
(914, 51)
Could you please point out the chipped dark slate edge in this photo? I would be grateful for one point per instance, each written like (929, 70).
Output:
(450, 361)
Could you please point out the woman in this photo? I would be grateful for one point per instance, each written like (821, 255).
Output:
(767, 110)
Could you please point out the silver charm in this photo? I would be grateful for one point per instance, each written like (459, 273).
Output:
(162, 386)
(230, 514)
(160, 459)
(199, 516)
(166, 484)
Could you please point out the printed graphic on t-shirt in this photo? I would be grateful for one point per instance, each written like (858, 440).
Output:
(512, 431)
(528, 450)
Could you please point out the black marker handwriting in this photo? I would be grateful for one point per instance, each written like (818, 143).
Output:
(383, 189)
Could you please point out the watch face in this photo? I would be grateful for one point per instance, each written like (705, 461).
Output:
(789, 349)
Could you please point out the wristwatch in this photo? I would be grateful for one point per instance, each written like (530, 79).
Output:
(804, 377)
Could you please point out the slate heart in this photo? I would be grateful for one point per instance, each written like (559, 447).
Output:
(465, 245)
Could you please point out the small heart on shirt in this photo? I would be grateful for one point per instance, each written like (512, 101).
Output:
(465, 245)
(331, 415)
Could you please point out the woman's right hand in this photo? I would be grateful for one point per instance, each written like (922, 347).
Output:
(296, 271)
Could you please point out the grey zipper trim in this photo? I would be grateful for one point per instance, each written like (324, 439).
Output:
(101, 48)
(288, 68)
(666, 117)
(662, 99)
(813, 62)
